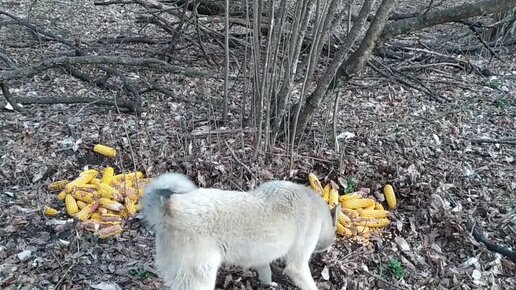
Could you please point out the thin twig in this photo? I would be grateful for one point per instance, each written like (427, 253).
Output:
(239, 161)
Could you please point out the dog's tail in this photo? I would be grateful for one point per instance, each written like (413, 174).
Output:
(159, 191)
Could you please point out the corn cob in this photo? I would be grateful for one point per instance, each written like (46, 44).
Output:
(378, 206)
(71, 205)
(108, 224)
(362, 230)
(372, 222)
(315, 184)
(358, 203)
(111, 204)
(96, 216)
(371, 207)
(87, 197)
(95, 181)
(140, 192)
(129, 177)
(84, 177)
(373, 213)
(345, 197)
(107, 175)
(326, 192)
(61, 196)
(87, 211)
(107, 191)
(123, 213)
(343, 231)
(57, 185)
(104, 150)
(109, 231)
(108, 217)
(390, 197)
(81, 204)
(333, 198)
(91, 225)
(343, 219)
(48, 211)
(129, 206)
(350, 213)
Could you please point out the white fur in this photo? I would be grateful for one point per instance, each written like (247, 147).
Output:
(199, 229)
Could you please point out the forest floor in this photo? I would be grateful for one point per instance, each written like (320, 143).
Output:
(434, 150)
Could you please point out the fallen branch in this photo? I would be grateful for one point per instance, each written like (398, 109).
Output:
(479, 236)
(130, 106)
(7, 95)
(445, 15)
(30, 71)
(511, 140)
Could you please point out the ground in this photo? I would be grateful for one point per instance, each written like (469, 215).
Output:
(429, 149)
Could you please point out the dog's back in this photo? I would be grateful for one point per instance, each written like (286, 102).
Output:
(202, 228)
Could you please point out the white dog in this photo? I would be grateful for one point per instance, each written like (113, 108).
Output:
(198, 229)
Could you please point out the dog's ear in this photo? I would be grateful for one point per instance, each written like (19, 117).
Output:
(335, 213)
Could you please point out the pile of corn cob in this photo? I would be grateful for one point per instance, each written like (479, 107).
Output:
(100, 204)
(361, 215)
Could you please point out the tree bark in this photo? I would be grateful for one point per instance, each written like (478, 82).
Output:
(440, 16)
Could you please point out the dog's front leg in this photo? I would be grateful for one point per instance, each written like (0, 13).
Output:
(300, 275)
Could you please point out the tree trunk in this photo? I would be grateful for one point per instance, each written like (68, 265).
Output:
(353, 65)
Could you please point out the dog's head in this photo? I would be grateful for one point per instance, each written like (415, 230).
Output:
(328, 228)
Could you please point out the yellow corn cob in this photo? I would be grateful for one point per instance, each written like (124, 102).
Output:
(87, 197)
(129, 206)
(315, 184)
(343, 231)
(111, 204)
(343, 219)
(107, 175)
(109, 231)
(372, 222)
(371, 207)
(91, 225)
(102, 210)
(107, 191)
(133, 197)
(390, 197)
(61, 196)
(379, 206)
(57, 185)
(96, 216)
(48, 211)
(108, 217)
(128, 177)
(140, 192)
(108, 224)
(104, 150)
(71, 205)
(345, 197)
(373, 213)
(326, 192)
(81, 204)
(350, 213)
(361, 230)
(84, 177)
(95, 181)
(89, 171)
(358, 203)
(123, 213)
(87, 211)
(333, 198)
